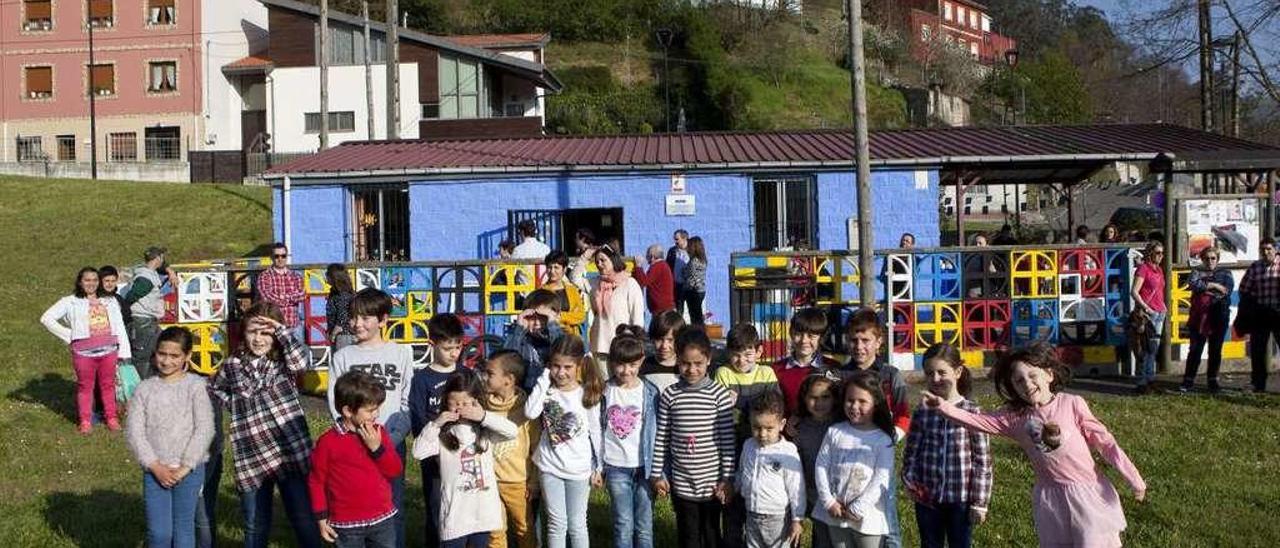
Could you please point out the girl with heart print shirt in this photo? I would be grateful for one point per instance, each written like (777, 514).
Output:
(566, 399)
(630, 422)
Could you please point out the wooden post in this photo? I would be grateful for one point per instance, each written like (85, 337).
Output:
(866, 251)
(368, 72)
(1206, 65)
(393, 70)
(324, 74)
(1166, 350)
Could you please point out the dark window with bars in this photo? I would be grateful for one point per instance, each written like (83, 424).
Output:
(381, 215)
(786, 213)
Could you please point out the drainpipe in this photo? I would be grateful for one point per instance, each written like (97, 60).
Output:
(284, 213)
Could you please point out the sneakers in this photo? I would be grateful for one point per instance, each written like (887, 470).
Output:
(113, 424)
(85, 427)
(1184, 389)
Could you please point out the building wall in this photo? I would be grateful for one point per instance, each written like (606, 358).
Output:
(232, 30)
(319, 217)
(297, 92)
(901, 201)
(77, 124)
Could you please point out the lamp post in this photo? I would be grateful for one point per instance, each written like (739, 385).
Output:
(664, 36)
(1011, 58)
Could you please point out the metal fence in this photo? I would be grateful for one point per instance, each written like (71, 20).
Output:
(166, 148)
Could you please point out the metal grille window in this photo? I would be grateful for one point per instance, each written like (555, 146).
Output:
(39, 82)
(66, 148)
(786, 213)
(30, 149)
(461, 88)
(163, 143)
(161, 12)
(381, 219)
(162, 76)
(122, 147)
(339, 122)
(37, 14)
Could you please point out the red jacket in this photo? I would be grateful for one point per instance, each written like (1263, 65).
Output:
(792, 374)
(660, 289)
(350, 485)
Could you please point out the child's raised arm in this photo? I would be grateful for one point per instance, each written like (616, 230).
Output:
(999, 423)
(293, 350)
(1099, 438)
(538, 396)
(427, 444)
(497, 427)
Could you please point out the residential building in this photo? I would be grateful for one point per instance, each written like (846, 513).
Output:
(930, 24)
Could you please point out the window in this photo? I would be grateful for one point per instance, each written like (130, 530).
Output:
(460, 88)
(37, 14)
(430, 111)
(381, 223)
(101, 13)
(960, 15)
(39, 82)
(122, 147)
(986, 24)
(163, 143)
(162, 76)
(973, 48)
(30, 149)
(786, 213)
(66, 148)
(946, 11)
(973, 19)
(161, 12)
(102, 79)
(339, 122)
(986, 210)
(345, 45)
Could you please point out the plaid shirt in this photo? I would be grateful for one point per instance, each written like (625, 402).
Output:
(269, 436)
(1262, 283)
(283, 289)
(944, 463)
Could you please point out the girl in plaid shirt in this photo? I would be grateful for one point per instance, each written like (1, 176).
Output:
(271, 446)
(946, 470)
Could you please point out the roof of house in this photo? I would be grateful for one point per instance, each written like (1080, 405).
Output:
(537, 72)
(779, 150)
(501, 41)
(251, 63)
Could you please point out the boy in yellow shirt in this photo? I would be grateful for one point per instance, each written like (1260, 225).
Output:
(513, 460)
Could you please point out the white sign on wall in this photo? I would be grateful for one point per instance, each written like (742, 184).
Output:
(680, 205)
(677, 183)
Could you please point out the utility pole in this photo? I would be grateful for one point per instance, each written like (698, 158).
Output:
(858, 72)
(93, 111)
(324, 74)
(1206, 66)
(393, 69)
(368, 71)
(1235, 84)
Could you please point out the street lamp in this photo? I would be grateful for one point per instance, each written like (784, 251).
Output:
(1011, 58)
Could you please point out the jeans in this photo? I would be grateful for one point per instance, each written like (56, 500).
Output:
(474, 540)
(171, 513)
(566, 503)
(397, 498)
(1198, 341)
(143, 332)
(431, 500)
(1148, 372)
(1267, 326)
(207, 504)
(894, 538)
(378, 535)
(944, 525)
(100, 370)
(694, 300)
(631, 502)
(697, 522)
(819, 538)
(256, 505)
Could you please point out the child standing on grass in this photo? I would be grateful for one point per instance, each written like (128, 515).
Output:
(388, 363)
(851, 473)
(770, 478)
(352, 469)
(566, 399)
(815, 415)
(808, 325)
(169, 427)
(513, 459)
(694, 442)
(746, 380)
(660, 368)
(630, 425)
(946, 470)
(1072, 502)
(426, 394)
(270, 442)
(463, 436)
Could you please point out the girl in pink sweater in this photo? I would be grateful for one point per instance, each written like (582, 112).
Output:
(1072, 502)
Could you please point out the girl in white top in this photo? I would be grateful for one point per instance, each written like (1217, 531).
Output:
(851, 473)
(630, 428)
(616, 299)
(463, 435)
(569, 455)
(89, 321)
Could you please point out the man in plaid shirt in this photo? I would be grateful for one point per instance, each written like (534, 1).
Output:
(1260, 294)
(270, 442)
(280, 286)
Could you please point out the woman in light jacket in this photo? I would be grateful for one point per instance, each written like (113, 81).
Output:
(616, 299)
(89, 321)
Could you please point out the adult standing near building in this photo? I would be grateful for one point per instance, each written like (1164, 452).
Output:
(89, 322)
(1211, 288)
(146, 306)
(616, 299)
(678, 260)
(529, 246)
(1260, 304)
(695, 283)
(573, 311)
(1148, 293)
(283, 287)
(659, 288)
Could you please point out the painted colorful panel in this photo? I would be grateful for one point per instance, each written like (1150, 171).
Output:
(986, 325)
(1034, 320)
(937, 277)
(202, 297)
(1034, 273)
(936, 323)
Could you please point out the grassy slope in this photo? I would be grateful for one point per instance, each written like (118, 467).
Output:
(1209, 462)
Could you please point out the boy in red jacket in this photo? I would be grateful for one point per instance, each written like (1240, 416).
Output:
(352, 468)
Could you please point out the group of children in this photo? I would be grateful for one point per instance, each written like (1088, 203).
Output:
(746, 452)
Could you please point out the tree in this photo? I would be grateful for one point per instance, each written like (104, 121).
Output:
(1055, 90)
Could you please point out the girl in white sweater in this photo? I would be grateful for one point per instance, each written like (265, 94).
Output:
(851, 473)
(89, 321)
(569, 455)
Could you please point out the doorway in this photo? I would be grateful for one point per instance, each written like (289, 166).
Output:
(557, 227)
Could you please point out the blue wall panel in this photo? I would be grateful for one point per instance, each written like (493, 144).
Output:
(319, 221)
(898, 205)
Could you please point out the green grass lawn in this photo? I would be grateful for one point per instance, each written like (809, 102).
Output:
(1211, 462)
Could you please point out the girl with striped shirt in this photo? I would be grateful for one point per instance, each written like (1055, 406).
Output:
(694, 442)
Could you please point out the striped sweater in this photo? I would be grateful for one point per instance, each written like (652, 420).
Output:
(698, 451)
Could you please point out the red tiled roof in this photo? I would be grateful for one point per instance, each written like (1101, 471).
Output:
(249, 62)
(500, 40)
(802, 148)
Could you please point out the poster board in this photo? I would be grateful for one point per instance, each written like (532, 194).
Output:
(1233, 225)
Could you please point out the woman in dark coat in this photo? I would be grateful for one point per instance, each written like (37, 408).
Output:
(1211, 288)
